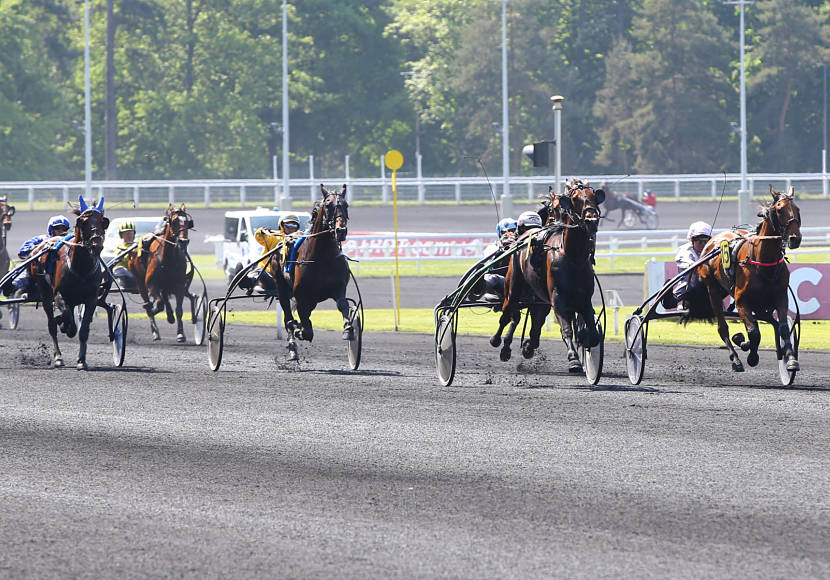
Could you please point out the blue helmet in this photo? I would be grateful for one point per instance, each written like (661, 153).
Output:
(505, 225)
(56, 220)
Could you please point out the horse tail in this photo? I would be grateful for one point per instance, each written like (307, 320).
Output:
(699, 307)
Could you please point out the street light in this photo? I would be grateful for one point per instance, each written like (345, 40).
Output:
(285, 203)
(506, 200)
(744, 216)
(87, 114)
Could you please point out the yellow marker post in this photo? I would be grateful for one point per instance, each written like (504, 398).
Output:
(394, 161)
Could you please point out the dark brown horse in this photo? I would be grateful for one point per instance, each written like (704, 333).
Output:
(70, 276)
(556, 270)
(319, 271)
(161, 270)
(751, 267)
(6, 213)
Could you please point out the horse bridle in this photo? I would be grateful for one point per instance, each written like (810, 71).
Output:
(97, 234)
(337, 211)
(781, 229)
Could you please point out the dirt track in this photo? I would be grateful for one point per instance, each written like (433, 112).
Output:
(164, 468)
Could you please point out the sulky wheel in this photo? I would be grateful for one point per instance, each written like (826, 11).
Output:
(200, 319)
(652, 220)
(592, 357)
(14, 315)
(119, 334)
(787, 376)
(356, 342)
(216, 331)
(635, 348)
(445, 348)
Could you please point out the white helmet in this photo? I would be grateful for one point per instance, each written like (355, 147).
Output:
(699, 229)
(529, 219)
(56, 220)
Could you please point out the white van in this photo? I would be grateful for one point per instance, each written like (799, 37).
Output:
(239, 246)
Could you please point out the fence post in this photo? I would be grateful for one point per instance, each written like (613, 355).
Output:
(676, 189)
(243, 195)
(457, 193)
(207, 196)
(420, 179)
(529, 193)
(171, 195)
(31, 198)
(311, 190)
(714, 190)
(136, 196)
(349, 193)
(65, 195)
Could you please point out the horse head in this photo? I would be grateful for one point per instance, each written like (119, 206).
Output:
(6, 213)
(179, 223)
(91, 226)
(585, 203)
(784, 216)
(335, 210)
(556, 208)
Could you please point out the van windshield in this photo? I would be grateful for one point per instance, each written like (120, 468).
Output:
(264, 221)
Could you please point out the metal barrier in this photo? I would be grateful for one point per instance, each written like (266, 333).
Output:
(410, 189)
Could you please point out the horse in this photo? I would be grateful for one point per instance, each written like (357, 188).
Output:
(751, 268)
(6, 213)
(70, 275)
(319, 271)
(161, 270)
(556, 271)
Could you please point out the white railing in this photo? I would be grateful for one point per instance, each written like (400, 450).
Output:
(410, 189)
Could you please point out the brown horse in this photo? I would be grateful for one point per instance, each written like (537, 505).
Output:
(6, 213)
(556, 270)
(70, 275)
(320, 270)
(161, 269)
(751, 267)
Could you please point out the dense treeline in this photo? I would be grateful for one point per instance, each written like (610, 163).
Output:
(195, 86)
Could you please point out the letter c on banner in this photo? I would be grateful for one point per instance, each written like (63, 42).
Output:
(798, 277)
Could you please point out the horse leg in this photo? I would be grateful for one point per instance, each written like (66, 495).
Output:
(83, 333)
(343, 307)
(515, 317)
(752, 331)
(723, 329)
(504, 320)
(537, 318)
(48, 308)
(590, 336)
(787, 350)
(179, 313)
(566, 329)
(168, 308)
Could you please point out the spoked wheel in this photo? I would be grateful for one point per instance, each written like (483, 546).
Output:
(787, 376)
(200, 319)
(652, 220)
(119, 334)
(356, 343)
(592, 357)
(216, 331)
(14, 316)
(445, 348)
(635, 348)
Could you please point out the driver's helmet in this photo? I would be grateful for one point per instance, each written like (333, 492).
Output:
(289, 219)
(505, 225)
(529, 219)
(126, 227)
(57, 221)
(699, 229)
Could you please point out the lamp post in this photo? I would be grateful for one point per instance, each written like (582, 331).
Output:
(506, 199)
(744, 216)
(824, 148)
(285, 203)
(557, 121)
(87, 115)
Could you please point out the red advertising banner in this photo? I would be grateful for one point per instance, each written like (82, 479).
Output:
(810, 284)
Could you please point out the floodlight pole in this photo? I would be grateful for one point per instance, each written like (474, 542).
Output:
(285, 202)
(744, 216)
(87, 107)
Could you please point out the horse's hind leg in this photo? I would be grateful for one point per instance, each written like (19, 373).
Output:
(48, 308)
(537, 318)
(83, 333)
(788, 352)
(515, 316)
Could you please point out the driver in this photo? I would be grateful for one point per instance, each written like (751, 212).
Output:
(493, 290)
(57, 225)
(288, 231)
(120, 270)
(698, 235)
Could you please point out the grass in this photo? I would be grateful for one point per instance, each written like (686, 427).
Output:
(815, 334)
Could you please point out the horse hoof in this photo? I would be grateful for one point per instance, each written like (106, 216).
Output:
(180, 338)
(739, 340)
(528, 352)
(348, 333)
(738, 367)
(752, 359)
(58, 363)
(575, 366)
(495, 341)
(156, 337)
(504, 354)
(792, 365)
(82, 366)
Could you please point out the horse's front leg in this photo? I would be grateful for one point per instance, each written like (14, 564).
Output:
(590, 335)
(49, 309)
(565, 319)
(83, 332)
(144, 291)
(306, 330)
(787, 350)
(179, 313)
(343, 307)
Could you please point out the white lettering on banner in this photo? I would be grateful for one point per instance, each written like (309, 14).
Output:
(797, 277)
(417, 246)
